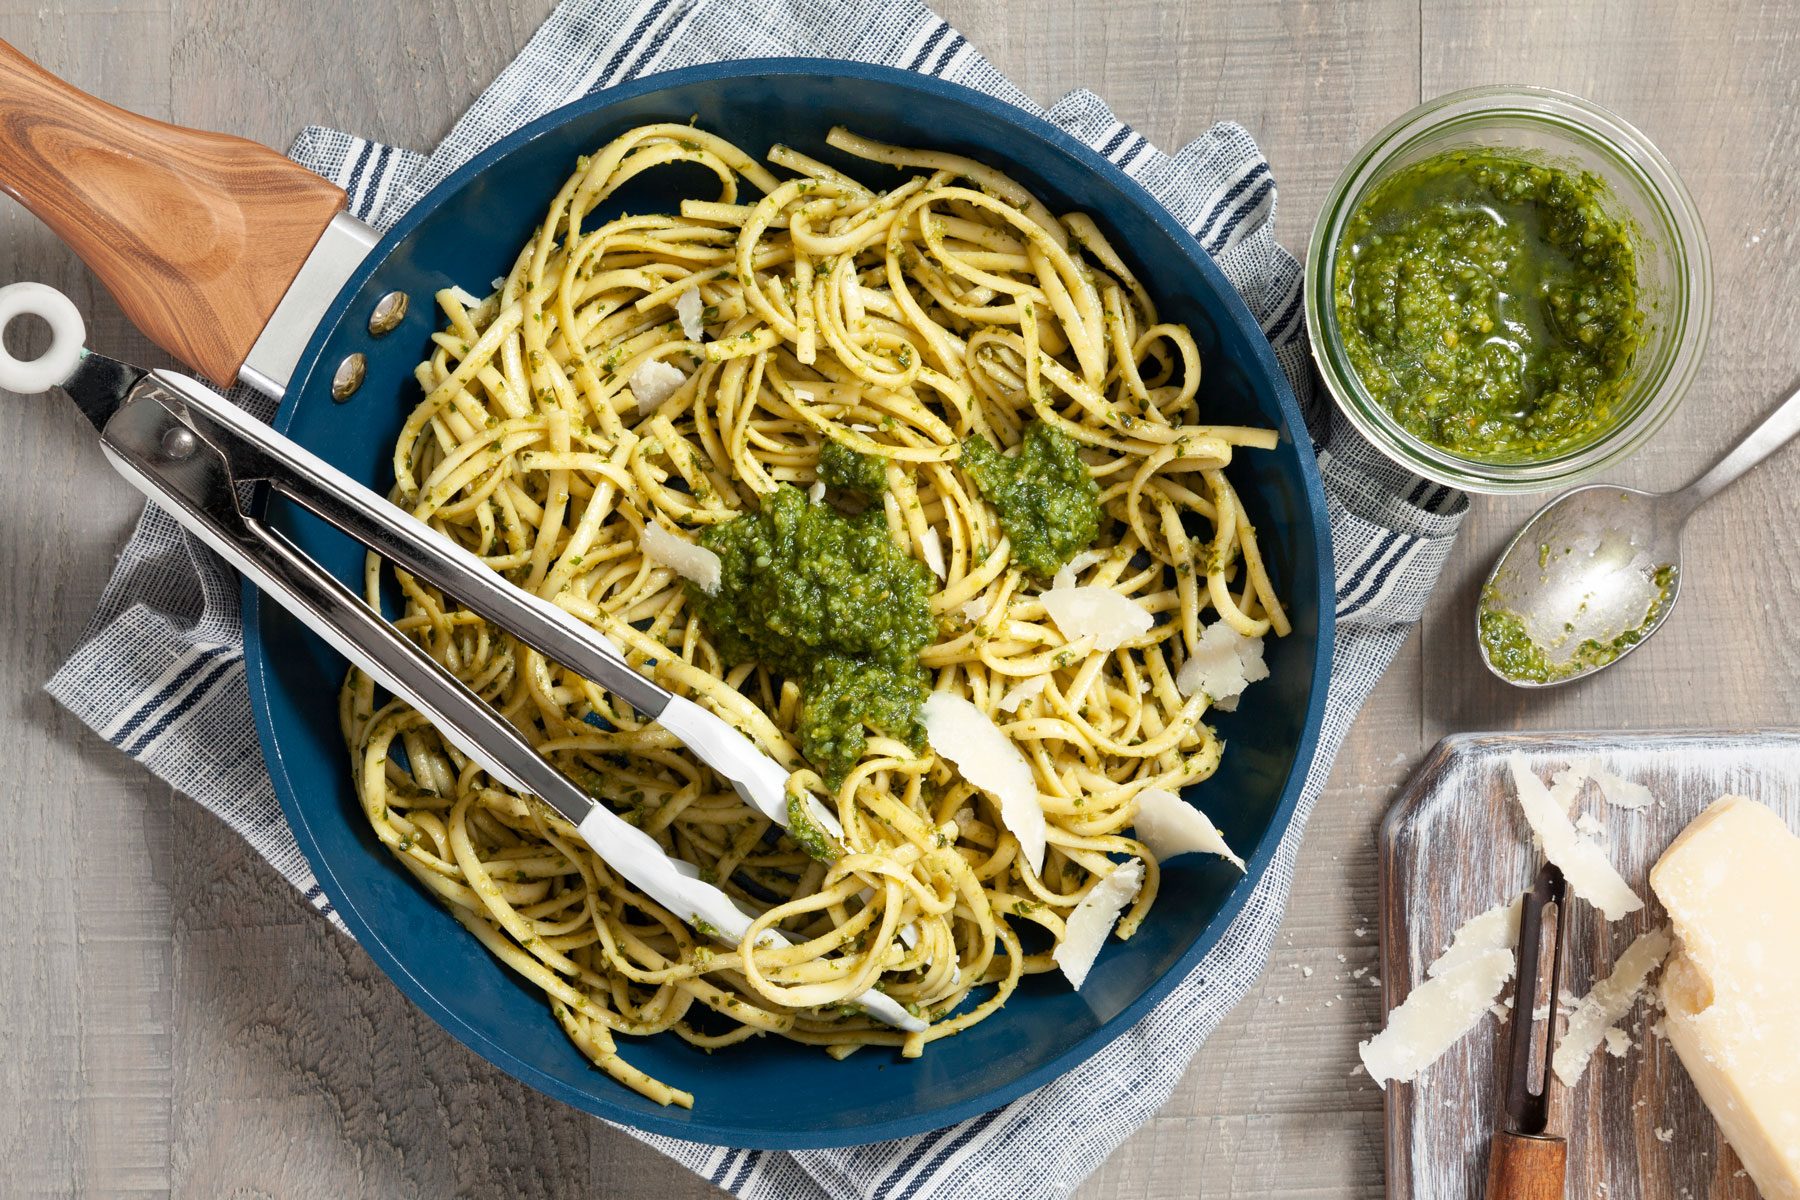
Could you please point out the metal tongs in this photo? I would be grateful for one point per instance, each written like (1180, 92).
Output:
(188, 449)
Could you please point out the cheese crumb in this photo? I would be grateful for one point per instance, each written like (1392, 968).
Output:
(1623, 793)
(932, 547)
(688, 308)
(653, 383)
(1223, 665)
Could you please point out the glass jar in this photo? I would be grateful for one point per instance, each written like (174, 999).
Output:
(1674, 270)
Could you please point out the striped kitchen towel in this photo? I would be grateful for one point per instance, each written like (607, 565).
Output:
(160, 673)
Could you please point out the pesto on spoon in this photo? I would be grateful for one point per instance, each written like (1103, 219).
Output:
(1598, 570)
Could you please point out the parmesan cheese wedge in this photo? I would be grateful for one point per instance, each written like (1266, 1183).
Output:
(688, 309)
(1731, 990)
(1602, 1008)
(1169, 826)
(652, 383)
(1085, 930)
(1462, 985)
(1582, 863)
(987, 758)
(1106, 616)
(682, 557)
(1223, 665)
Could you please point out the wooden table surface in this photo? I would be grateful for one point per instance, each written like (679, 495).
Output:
(173, 1020)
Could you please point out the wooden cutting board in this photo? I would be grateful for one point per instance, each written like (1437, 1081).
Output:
(1454, 845)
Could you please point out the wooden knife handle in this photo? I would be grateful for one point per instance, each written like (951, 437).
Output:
(1523, 1166)
(197, 235)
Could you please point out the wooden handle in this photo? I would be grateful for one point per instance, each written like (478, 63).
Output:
(1522, 1166)
(197, 235)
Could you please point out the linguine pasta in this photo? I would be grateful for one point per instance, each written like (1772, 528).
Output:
(898, 314)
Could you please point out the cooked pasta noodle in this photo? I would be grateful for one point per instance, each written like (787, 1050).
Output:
(899, 321)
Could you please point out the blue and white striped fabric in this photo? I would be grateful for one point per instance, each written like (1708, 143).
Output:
(160, 673)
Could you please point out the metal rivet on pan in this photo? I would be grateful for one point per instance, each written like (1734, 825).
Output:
(177, 443)
(349, 377)
(390, 310)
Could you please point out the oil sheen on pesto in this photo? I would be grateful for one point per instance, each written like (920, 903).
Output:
(1048, 503)
(1490, 304)
(831, 601)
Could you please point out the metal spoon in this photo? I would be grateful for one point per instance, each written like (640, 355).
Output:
(1598, 569)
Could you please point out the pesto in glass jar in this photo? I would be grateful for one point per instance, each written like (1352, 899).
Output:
(1491, 305)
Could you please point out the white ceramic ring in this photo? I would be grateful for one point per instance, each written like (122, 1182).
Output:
(67, 332)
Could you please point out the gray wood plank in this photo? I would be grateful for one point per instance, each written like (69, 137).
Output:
(84, 995)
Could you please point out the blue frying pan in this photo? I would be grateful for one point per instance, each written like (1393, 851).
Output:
(765, 1093)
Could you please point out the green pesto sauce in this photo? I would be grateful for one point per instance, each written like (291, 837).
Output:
(1517, 655)
(1491, 304)
(805, 834)
(829, 600)
(842, 467)
(1048, 503)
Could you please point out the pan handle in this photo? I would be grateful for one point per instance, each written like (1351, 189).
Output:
(197, 235)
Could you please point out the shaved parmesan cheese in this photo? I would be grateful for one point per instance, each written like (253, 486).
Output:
(653, 383)
(1588, 825)
(1582, 862)
(977, 608)
(933, 548)
(1086, 928)
(1225, 663)
(1623, 793)
(1617, 1042)
(497, 282)
(1022, 691)
(682, 557)
(988, 759)
(1435, 1016)
(1495, 929)
(1169, 825)
(1462, 984)
(1566, 784)
(462, 296)
(1065, 578)
(1610, 1000)
(688, 308)
(803, 395)
(1098, 613)
(816, 492)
